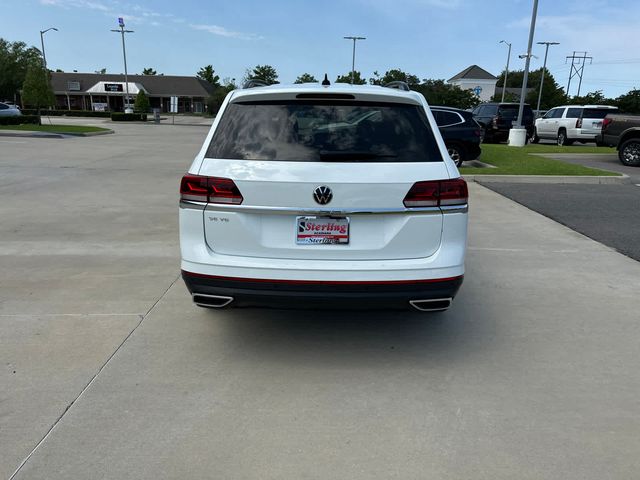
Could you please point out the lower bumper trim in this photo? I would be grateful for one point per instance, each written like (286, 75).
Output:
(362, 295)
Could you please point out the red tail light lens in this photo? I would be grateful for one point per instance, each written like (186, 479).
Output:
(579, 123)
(209, 189)
(605, 123)
(437, 193)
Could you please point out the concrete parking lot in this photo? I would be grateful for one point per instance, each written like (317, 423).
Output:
(108, 371)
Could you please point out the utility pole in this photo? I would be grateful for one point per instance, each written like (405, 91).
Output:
(575, 70)
(532, 29)
(544, 68)
(124, 55)
(353, 61)
(506, 71)
(44, 57)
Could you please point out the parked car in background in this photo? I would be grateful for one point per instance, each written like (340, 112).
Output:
(461, 133)
(623, 132)
(571, 123)
(498, 118)
(316, 196)
(8, 110)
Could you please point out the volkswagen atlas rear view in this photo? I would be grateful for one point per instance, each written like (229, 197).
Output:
(323, 196)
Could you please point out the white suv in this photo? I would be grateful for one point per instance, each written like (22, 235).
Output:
(314, 196)
(572, 123)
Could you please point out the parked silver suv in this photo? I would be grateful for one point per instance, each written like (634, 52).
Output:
(572, 123)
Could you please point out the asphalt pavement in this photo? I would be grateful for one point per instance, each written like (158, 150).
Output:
(109, 372)
(607, 213)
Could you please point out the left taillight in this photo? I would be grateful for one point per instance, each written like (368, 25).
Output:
(200, 188)
(437, 193)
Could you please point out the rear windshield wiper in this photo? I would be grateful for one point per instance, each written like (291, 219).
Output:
(331, 156)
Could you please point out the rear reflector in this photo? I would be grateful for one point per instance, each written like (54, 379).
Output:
(209, 189)
(437, 193)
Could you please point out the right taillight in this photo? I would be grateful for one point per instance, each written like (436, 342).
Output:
(209, 189)
(605, 123)
(437, 193)
(579, 123)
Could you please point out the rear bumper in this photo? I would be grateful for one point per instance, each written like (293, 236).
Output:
(366, 295)
(579, 134)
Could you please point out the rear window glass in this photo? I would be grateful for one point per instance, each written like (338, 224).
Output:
(331, 131)
(448, 118)
(598, 112)
(512, 110)
(574, 112)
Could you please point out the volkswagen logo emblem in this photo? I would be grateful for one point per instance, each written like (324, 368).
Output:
(322, 195)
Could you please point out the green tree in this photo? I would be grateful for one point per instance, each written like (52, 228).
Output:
(306, 78)
(214, 102)
(552, 94)
(629, 102)
(142, 102)
(591, 98)
(357, 79)
(394, 75)
(437, 92)
(36, 89)
(149, 71)
(208, 74)
(266, 73)
(15, 58)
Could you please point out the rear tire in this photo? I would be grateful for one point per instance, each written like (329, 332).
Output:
(629, 152)
(457, 153)
(563, 141)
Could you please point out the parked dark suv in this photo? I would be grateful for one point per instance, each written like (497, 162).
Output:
(461, 133)
(497, 119)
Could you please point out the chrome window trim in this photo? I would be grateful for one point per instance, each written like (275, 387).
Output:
(219, 207)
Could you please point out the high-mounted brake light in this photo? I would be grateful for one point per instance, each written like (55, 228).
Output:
(437, 193)
(199, 188)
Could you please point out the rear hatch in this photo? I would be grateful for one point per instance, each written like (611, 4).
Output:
(592, 119)
(508, 115)
(365, 156)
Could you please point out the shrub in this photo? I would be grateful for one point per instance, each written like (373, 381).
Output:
(66, 113)
(142, 102)
(128, 117)
(20, 120)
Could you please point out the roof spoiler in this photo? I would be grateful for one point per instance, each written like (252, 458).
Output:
(255, 82)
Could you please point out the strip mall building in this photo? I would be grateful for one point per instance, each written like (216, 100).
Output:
(94, 91)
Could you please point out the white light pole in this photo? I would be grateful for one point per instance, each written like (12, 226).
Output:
(532, 29)
(42, 32)
(506, 71)
(544, 67)
(124, 54)
(353, 61)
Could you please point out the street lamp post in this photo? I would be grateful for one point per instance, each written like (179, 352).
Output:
(544, 67)
(532, 29)
(506, 72)
(353, 61)
(124, 55)
(42, 32)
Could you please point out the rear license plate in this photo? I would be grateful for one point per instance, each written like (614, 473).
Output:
(322, 230)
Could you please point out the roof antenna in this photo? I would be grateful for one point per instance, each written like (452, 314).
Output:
(326, 81)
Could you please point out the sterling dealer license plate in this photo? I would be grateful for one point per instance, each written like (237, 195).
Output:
(322, 231)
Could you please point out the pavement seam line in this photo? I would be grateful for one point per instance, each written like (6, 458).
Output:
(86, 387)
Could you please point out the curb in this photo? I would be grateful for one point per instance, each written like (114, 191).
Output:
(552, 179)
(34, 134)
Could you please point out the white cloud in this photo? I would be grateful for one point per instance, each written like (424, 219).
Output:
(224, 32)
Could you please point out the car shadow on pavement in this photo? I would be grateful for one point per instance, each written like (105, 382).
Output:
(360, 338)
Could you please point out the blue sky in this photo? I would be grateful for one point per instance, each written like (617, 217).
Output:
(429, 38)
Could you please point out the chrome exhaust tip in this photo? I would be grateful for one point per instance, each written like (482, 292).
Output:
(211, 301)
(431, 305)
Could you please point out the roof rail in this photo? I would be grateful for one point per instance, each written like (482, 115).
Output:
(255, 82)
(400, 85)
